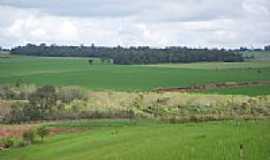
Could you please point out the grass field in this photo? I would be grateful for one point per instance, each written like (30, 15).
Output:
(216, 65)
(258, 55)
(145, 139)
(250, 91)
(77, 71)
(119, 139)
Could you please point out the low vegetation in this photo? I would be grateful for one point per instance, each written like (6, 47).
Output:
(29, 136)
(59, 103)
(42, 103)
(42, 132)
(26, 137)
(250, 91)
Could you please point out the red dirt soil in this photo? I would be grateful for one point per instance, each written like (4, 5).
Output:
(14, 130)
(18, 130)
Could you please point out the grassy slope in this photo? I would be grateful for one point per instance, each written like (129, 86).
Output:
(250, 91)
(66, 71)
(216, 65)
(212, 140)
(258, 55)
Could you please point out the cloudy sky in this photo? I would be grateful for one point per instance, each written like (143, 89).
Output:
(156, 23)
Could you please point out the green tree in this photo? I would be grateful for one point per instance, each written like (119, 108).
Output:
(41, 103)
(267, 48)
(133, 55)
(7, 142)
(16, 113)
(42, 132)
(90, 61)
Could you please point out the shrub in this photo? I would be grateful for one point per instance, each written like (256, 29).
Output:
(68, 94)
(20, 143)
(29, 136)
(17, 92)
(42, 132)
(6, 92)
(8, 142)
(16, 113)
(41, 103)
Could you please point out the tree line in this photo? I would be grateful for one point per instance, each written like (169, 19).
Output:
(132, 55)
(267, 48)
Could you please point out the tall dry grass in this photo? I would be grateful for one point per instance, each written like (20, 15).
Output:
(76, 103)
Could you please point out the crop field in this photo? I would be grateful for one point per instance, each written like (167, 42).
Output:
(98, 76)
(216, 65)
(121, 139)
(257, 55)
(104, 111)
(250, 91)
(99, 80)
(135, 123)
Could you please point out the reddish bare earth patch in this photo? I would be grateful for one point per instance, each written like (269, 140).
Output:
(15, 130)
(18, 130)
(54, 131)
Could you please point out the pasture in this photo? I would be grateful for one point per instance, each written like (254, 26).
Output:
(216, 65)
(250, 91)
(154, 129)
(257, 55)
(98, 76)
(122, 139)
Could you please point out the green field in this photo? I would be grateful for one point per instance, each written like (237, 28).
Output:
(114, 140)
(77, 71)
(216, 65)
(258, 55)
(139, 138)
(250, 91)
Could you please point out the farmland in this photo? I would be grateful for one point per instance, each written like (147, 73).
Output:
(134, 80)
(216, 65)
(120, 139)
(108, 111)
(78, 72)
(250, 91)
(257, 55)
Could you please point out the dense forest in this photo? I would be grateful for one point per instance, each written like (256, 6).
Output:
(131, 55)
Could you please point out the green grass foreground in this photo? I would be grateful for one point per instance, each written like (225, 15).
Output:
(250, 91)
(77, 71)
(120, 139)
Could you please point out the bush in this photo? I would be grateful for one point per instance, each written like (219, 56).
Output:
(16, 113)
(8, 142)
(68, 94)
(20, 143)
(29, 136)
(6, 92)
(42, 132)
(41, 103)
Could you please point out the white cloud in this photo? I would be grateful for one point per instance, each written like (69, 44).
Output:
(158, 23)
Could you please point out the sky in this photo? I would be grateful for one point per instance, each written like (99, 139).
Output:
(155, 23)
